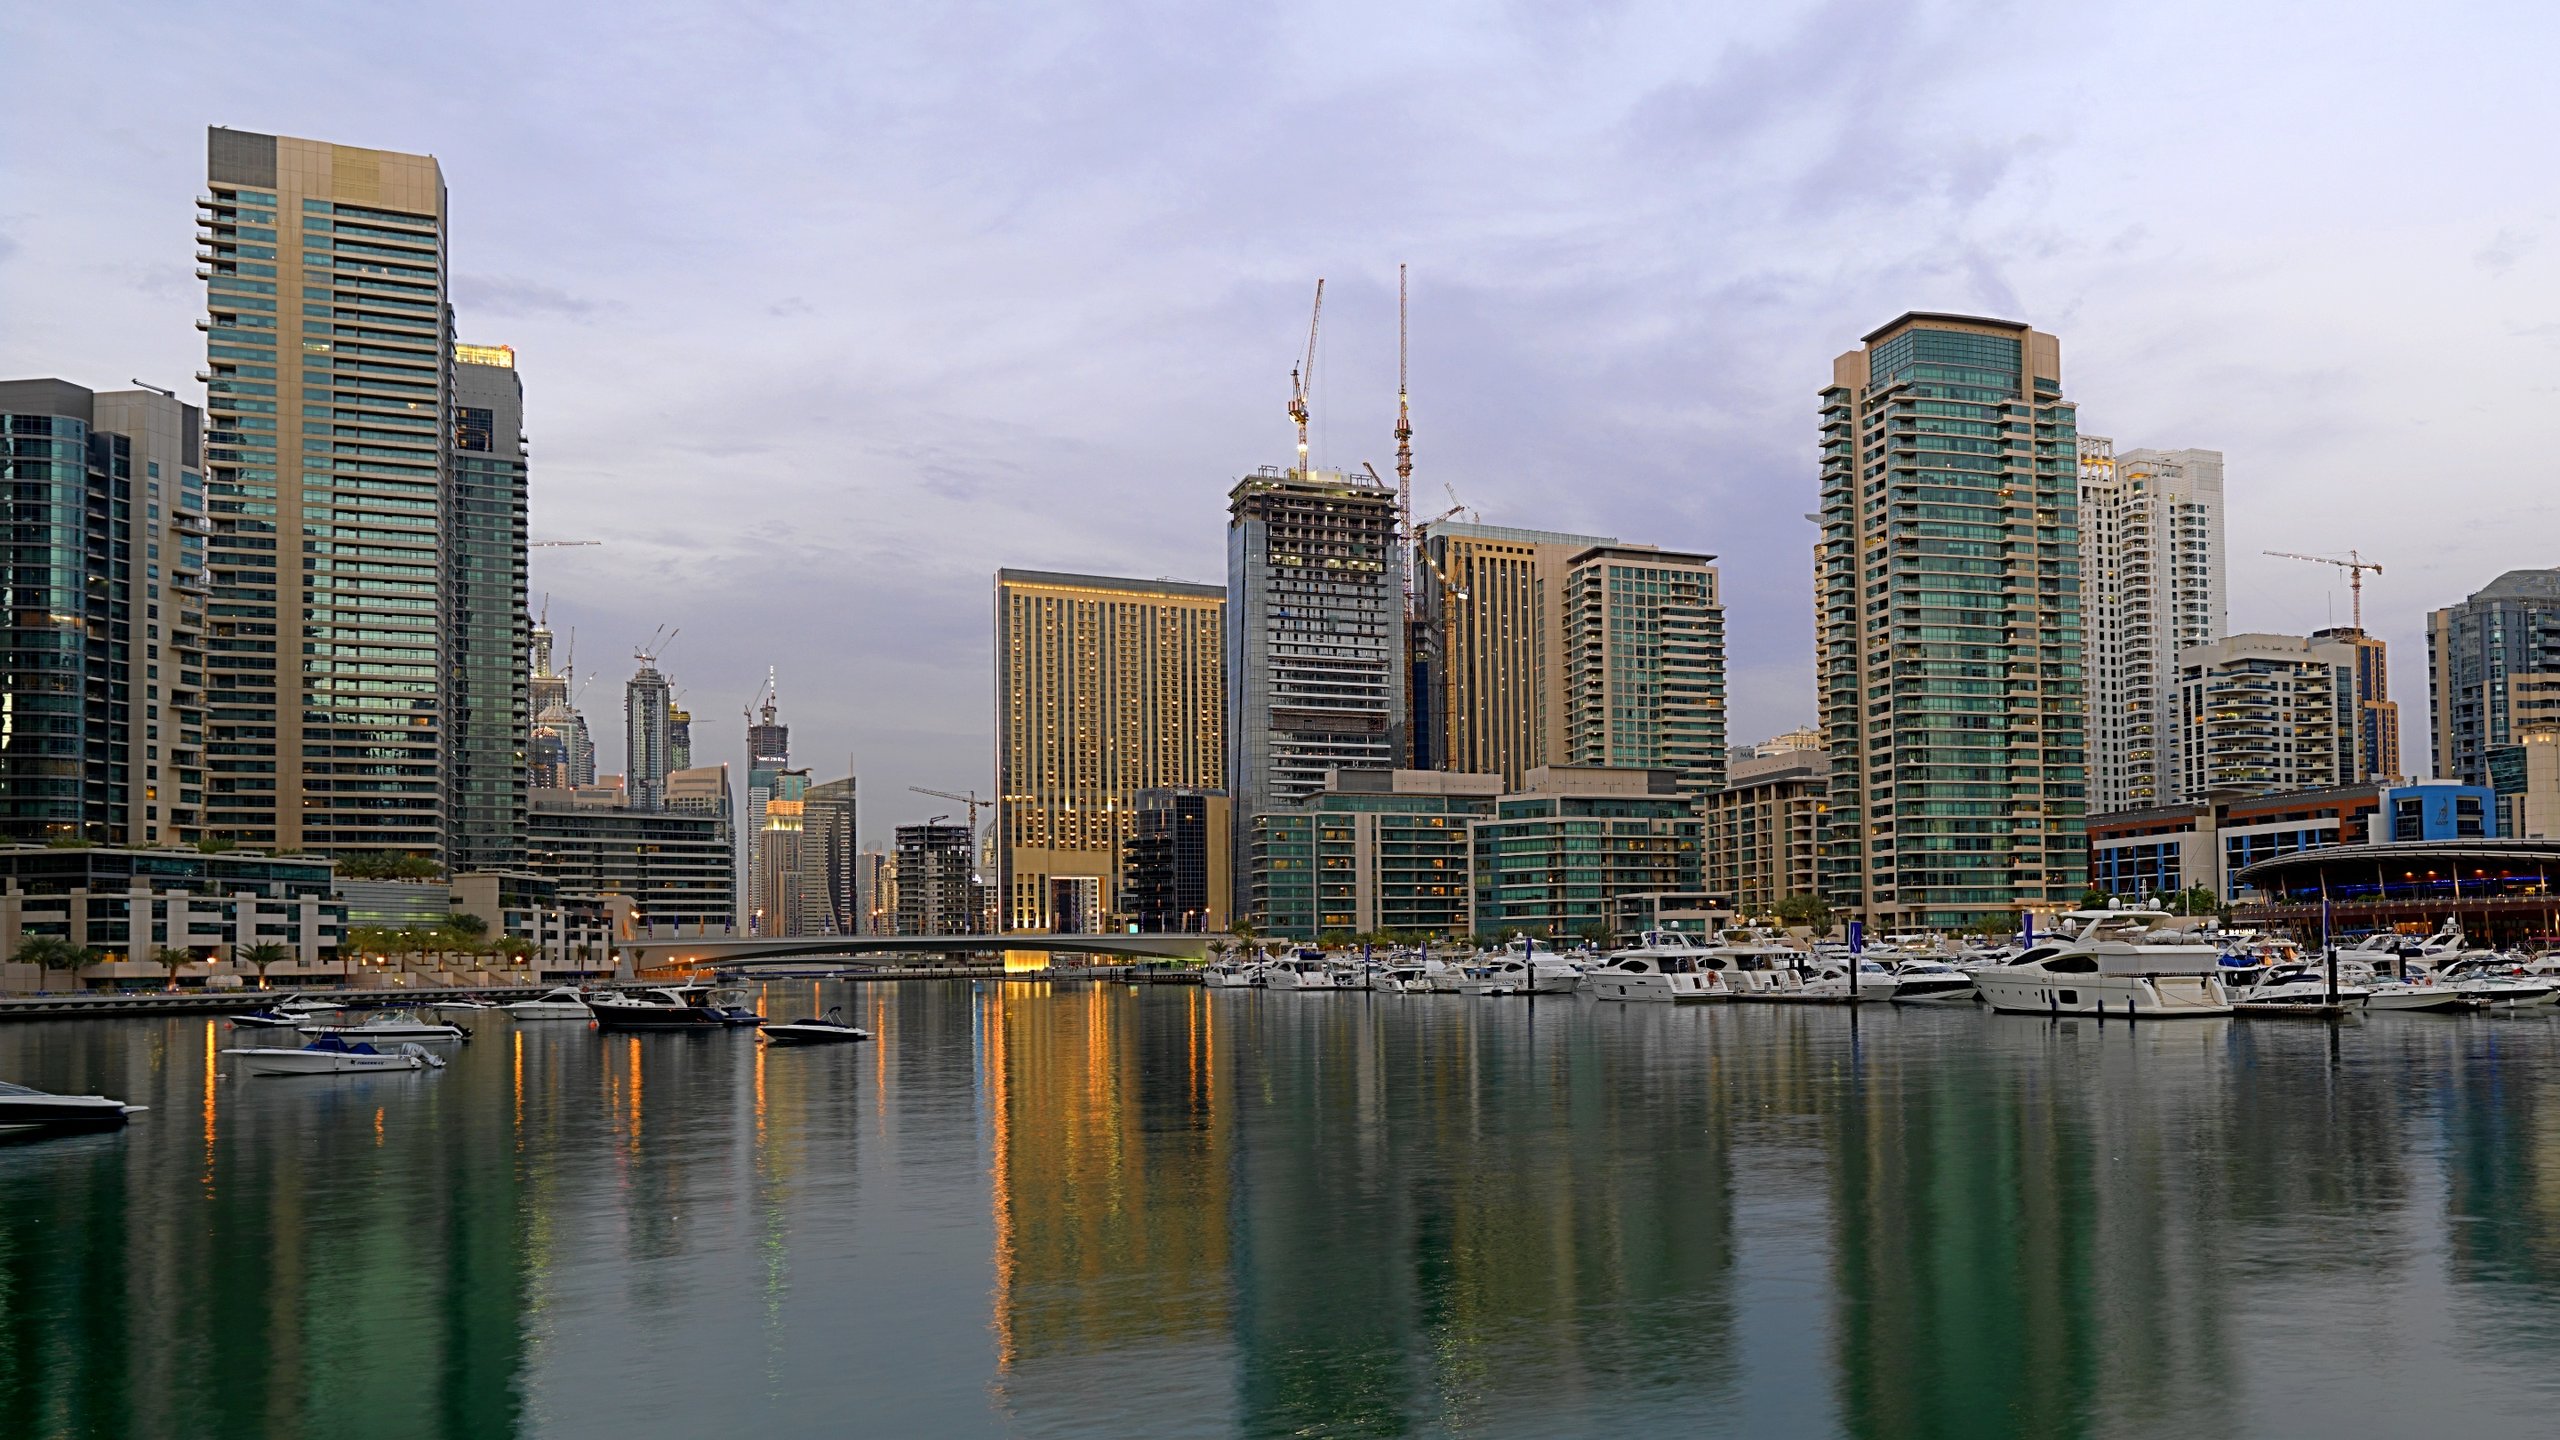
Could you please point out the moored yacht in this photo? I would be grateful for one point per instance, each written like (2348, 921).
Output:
(565, 1002)
(672, 1007)
(2290, 985)
(2112, 962)
(1306, 970)
(1665, 965)
(1232, 975)
(1931, 982)
(388, 1026)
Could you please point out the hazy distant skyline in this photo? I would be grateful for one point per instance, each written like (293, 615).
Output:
(823, 316)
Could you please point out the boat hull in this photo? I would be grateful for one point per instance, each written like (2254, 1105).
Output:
(549, 1010)
(813, 1035)
(1935, 992)
(32, 1117)
(280, 1061)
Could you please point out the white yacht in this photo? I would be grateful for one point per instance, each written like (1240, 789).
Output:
(1931, 982)
(2112, 962)
(1665, 965)
(1306, 970)
(385, 1025)
(2290, 985)
(1761, 967)
(563, 1003)
(2498, 979)
(1519, 968)
(1232, 975)
(1418, 975)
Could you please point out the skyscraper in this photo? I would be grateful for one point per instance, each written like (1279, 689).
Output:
(2376, 716)
(936, 880)
(1643, 672)
(2475, 649)
(101, 647)
(679, 737)
(768, 755)
(1104, 688)
(2151, 563)
(1949, 624)
(560, 754)
(1491, 608)
(1315, 641)
(648, 750)
(488, 700)
(830, 879)
(775, 902)
(325, 453)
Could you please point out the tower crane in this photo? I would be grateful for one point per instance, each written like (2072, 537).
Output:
(658, 645)
(2355, 565)
(1404, 444)
(558, 544)
(971, 800)
(1302, 378)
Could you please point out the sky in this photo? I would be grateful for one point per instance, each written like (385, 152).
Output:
(825, 312)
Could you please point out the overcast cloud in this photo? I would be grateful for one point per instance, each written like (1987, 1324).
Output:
(825, 312)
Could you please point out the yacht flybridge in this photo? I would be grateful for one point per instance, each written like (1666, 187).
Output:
(2126, 962)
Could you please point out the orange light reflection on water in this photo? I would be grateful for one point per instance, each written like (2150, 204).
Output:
(212, 1054)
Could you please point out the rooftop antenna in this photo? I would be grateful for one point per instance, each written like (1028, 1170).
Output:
(1303, 378)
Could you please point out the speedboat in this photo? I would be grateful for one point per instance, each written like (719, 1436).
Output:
(1931, 982)
(2290, 985)
(671, 1007)
(27, 1113)
(2498, 979)
(1664, 965)
(463, 1008)
(565, 1002)
(288, 1012)
(391, 1025)
(2119, 962)
(332, 1055)
(830, 1030)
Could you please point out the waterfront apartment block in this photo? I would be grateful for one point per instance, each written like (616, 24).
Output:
(329, 408)
(2152, 570)
(1949, 643)
(1374, 851)
(102, 653)
(2475, 649)
(675, 868)
(1760, 837)
(1104, 688)
(1316, 636)
(1490, 605)
(1643, 672)
(1178, 855)
(489, 699)
(937, 882)
(1559, 855)
(2268, 714)
(131, 903)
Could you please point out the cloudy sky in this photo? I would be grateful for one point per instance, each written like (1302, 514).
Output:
(826, 311)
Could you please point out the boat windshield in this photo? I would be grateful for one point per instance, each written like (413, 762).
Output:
(8, 1089)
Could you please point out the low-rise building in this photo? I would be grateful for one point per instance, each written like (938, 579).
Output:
(1760, 839)
(130, 904)
(2164, 848)
(1555, 857)
(1374, 851)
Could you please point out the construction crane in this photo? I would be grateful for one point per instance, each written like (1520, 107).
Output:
(558, 544)
(1404, 444)
(658, 645)
(2355, 565)
(1302, 379)
(971, 800)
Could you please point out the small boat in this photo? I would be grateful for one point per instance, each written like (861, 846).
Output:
(390, 1025)
(672, 1007)
(464, 1008)
(1303, 971)
(2291, 986)
(1231, 975)
(566, 1002)
(831, 1030)
(1931, 982)
(1416, 975)
(288, 1012)
(332, 1055)
(27, 1113)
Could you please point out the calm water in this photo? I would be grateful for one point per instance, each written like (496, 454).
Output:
(1098, 1212)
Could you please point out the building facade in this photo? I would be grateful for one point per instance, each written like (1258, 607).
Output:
(830, 885)
(1178, 853)
(1104, 688)
(560, 753)
(1643, 672)
(648, 745)
(102, 648)
(2510, 627)
(676, 871)
(1490, 601)
(131, 903)
(937, 884)
(2375, 714)
(1558, 856)
(327, 483)
(1760, 837)
(1315, 640)
(2166, 849)
(777, 899)
(489, 698)
(1948, 624)
(2152, 572)
(2267, 714)
(1373, 852)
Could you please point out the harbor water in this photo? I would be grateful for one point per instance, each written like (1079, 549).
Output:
(1033, 1209)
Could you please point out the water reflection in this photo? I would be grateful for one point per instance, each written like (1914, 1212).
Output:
(1064, 1209)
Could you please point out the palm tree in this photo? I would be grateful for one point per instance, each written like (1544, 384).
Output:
(51, 954)
(262, 955)
(170, 958)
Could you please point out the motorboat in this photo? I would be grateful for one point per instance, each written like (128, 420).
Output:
(333, 1054)
(391, 1025)
(1931, 982)
(671, 1007)
(1545, 974)
(566, 1002)
(1306, 970)
(2293, 985)
(1759, 967)
(1663, 965)
(290, 1011)
(1231, 975)
(2125, 962)
(464, 1008)
(1418, 975)
(27, 1113)
(831, 1029)
(2498, 979)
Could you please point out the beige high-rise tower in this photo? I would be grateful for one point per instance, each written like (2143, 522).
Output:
(328, 393)
(1492, 599)
(1104, 687)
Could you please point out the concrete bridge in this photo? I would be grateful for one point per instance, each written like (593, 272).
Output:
(649, 952)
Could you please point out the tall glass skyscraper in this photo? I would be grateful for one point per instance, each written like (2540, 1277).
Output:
(1947, 581)
(328, 386)
(489, 697)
